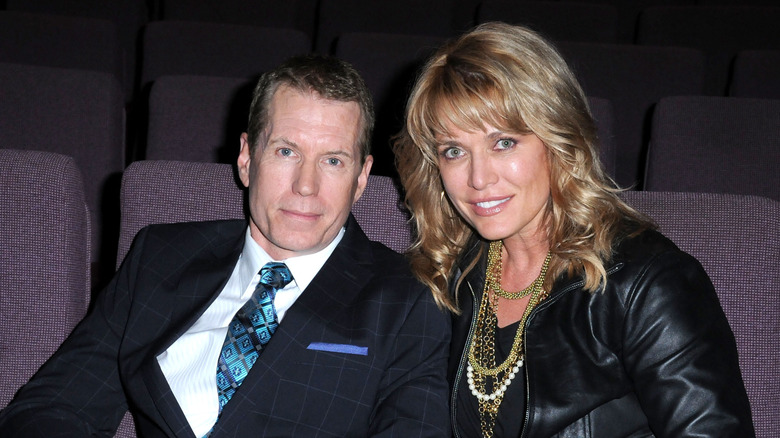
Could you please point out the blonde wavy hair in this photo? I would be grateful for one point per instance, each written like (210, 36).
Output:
(513, 79)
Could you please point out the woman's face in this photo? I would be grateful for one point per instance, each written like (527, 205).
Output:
(498, 181)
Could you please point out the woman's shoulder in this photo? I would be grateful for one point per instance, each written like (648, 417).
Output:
(636, 245)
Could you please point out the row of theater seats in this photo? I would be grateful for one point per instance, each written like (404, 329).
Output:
(681, 48)
(44, 264)
(126, 39)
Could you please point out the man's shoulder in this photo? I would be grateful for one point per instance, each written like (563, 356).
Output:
(188, 238)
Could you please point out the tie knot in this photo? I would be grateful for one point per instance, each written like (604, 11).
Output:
(275, 274)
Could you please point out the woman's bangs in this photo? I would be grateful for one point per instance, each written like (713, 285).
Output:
(462, 107)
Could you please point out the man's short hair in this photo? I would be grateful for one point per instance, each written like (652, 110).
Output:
(328, 77)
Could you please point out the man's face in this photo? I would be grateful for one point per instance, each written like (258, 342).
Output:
(304, 174)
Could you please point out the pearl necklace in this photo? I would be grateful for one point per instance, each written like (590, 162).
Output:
(501, 389)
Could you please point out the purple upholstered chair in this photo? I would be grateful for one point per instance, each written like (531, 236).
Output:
(604, 115)
(59, 41)
(291, 14)
(737, 240)
(77, 113)
(719, 31)
(127, 17)
(389, 63)
(44, 260)
(756, 73)
(717, 145)
(216, 49)
(175, 191)
(405, 17)
(634, 78)
(197, 118)
(560, 21)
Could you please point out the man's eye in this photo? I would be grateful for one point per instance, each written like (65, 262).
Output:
(334, 161)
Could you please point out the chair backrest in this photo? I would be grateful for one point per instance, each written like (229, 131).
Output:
(389, 63)
(634, 78)
(197, 118)
(216, 49)
(71, 112)
(756, 73)
(44, 260)
(128, 16)
(560, 21)
(59, 41)
(173, 191)
(291, 14)
(737, 240)
(604, 115)
(407, 17)
(719, 31)
(715, 144)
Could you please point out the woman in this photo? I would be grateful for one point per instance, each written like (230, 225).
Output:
(573, 316)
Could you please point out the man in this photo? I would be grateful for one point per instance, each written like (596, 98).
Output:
(181, 335)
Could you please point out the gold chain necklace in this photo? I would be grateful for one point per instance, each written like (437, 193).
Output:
(496, 268)
(482, 372)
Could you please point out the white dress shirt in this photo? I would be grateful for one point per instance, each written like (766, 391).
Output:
(190, 363)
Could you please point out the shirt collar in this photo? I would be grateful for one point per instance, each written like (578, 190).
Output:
(303, 268)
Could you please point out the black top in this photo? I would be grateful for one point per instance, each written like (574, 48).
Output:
(511, 412)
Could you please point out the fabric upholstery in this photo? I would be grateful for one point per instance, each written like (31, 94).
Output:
(634, 78)
(604, 115)
(197, 118)
(719, 31)
(44, 260)
(389, 63)
(58, 41)
(127, 16)
(715, 144)
(756, 73)
(407, 17)
(737, 240)
(216, 49)
(71, 112)
(560, 21)
(171, 191)
(292, 14)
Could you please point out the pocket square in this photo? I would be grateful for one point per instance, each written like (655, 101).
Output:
(338, 348)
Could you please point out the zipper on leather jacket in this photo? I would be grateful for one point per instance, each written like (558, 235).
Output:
(548, 302)
(541, 306)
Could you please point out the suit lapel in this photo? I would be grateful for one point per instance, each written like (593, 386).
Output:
(198, 285)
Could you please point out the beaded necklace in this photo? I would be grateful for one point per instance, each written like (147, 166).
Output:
(482, 372)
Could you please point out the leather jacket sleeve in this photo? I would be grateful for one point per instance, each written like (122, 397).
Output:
(679, 352)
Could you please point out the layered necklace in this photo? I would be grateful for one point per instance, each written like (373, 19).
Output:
(487, 381)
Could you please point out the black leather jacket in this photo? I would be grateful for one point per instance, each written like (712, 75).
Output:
(652, 355)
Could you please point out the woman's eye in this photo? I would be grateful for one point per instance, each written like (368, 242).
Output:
(505, 143)
(285, 152)
(452, 153)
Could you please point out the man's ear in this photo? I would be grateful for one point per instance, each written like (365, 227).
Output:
(244, 159)
(363, 177)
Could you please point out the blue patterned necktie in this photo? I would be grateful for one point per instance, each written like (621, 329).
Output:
(249, 331)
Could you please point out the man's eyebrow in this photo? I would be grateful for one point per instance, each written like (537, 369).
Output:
(339, 152)
(283, 140)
